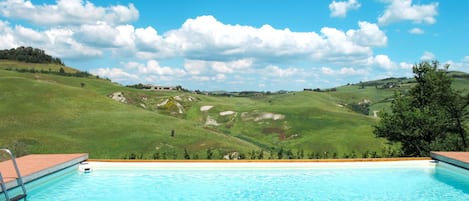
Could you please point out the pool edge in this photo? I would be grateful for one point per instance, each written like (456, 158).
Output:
(266, 161)
(460, 159)
(35, 166)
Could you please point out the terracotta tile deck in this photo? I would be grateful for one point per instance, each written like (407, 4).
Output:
(460, 159)
(37, 165)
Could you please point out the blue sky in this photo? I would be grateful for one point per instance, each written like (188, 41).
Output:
(243, 44)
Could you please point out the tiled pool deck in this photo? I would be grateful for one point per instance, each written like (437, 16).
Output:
(37, 165)
(460, 159)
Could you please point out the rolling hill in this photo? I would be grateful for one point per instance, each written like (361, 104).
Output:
(50, 113)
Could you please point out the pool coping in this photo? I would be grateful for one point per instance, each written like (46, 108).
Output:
(35, 166)
(263, 160)
(459, 159)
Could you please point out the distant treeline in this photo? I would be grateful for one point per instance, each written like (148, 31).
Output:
(30, 55)
(242, 93)
(60, 72)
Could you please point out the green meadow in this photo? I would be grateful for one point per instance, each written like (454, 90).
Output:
(50, 113)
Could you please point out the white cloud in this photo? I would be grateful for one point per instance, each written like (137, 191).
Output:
(466, 59)
(217, 77)
(149, 72)
(224, 47)
(201, 78)
(231, 66)
(275, 71)
(343, 71)
(368, 35)
(7, 39)
(416, 31)
(352, 71)
(340, 8)
(27, 34)
(210, 49)
(382, 61)
(98, 35)
(462, 65)
(339, 48)
(147, 39)
(115, 74)
(67, 12)
(427, 56)
(205, 38)
(404, 10)
(405, 65)
(196, 67)
(58, 42)
(327, 71)
(152, 67)
(220, 77)
(61, 44)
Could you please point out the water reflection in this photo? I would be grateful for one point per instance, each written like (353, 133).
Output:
(452, 176)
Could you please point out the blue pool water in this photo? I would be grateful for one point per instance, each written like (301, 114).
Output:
(421, 180)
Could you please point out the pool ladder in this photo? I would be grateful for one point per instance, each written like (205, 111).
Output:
(19, 180)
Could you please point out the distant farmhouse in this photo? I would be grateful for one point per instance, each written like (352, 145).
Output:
(161, 88)
(151, 87)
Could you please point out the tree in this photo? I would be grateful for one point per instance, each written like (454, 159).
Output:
(430, 117)
(29, 54)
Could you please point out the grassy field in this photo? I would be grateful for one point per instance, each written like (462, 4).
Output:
(40, 114)
(47, 113)
(12, 65)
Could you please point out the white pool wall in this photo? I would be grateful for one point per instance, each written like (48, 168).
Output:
(260, 165)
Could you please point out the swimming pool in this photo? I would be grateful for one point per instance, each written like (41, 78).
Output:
(407, 180)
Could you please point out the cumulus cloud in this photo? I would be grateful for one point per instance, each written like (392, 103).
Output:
(115, 74)
(67, 12)
(7, 39)
(205, 38)
(197, 67)
(404, 10)
(382, 61)
(405, 65)
(275, 71)
(427, 56)
(343, 71)
(462, 65)
(149, 72)
(416, 31)
(340, 8)
(369, 34)
(209, 49)
(152, 67)
(218, 77)
(58, 42)
(147, 39)
(466, 59)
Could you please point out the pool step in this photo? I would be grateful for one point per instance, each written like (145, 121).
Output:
(18, 197)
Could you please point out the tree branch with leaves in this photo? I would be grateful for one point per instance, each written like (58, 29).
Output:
(430, 117)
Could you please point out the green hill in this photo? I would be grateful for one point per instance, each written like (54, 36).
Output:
(50, 113)
(42, 113)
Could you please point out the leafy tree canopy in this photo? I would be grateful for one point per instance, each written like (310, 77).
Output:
(430, 117)
(30, 55)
